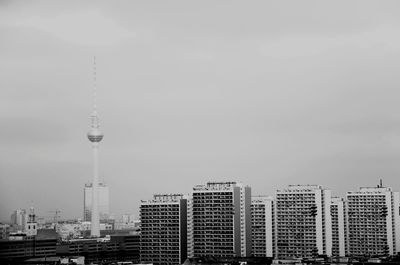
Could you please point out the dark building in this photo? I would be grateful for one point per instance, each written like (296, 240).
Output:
(14, 251)
(115, 248)
(164, 230)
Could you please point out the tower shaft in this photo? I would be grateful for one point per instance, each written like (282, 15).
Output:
(95, 220)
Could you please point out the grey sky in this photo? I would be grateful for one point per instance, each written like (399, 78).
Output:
(269, 93)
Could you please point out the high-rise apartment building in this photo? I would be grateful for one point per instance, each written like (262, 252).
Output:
(221, 219)
(339, 227)
(373, 221)
(103, 201)
(262, 226)
(164, 230)
(303, 221)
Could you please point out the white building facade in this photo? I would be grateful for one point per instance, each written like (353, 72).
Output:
(190, 242)
(263, 226)
(339, 227)
(303, 221)
(373, 221)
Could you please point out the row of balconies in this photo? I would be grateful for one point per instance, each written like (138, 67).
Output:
(161, 245)
(212, 201)
(217, 222)
(156, 213)
(168, 227)
(223, 244)
(228, 209)
(212, 215)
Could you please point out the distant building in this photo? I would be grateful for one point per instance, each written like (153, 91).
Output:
(4, 231)
(221, 220)
(339, 227)
(262, 226)
(31, 226)
(73, 229)
(164, 230)
(303, 226)
(373, 221)
(127, 221)
(70, 230)
(128, 218)
(18, 219)
(103, 201)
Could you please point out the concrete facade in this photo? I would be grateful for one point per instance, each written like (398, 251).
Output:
(221, 219)
(164, 230)
(263, 226)
(303, 221)
(373, 221)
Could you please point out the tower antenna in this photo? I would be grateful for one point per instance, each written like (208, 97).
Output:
(94, 86)
(94, 117)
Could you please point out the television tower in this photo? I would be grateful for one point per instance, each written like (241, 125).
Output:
(95, 136)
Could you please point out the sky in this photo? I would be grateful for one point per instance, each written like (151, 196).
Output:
(268, 93)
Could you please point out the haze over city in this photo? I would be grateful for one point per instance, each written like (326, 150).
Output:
(191, 92)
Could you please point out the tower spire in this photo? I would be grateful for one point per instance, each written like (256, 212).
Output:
(94, 86)
(94, 116)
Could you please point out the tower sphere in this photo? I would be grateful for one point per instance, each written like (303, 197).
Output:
(95, 135)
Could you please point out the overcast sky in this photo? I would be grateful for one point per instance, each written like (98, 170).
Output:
(268, 93)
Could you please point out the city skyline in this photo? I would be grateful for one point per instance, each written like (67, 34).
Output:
(190, 93)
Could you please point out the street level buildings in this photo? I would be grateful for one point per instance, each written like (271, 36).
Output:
(262, 226)
(221, 219)
(373, 221)
(164, 230)
(303, 221)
